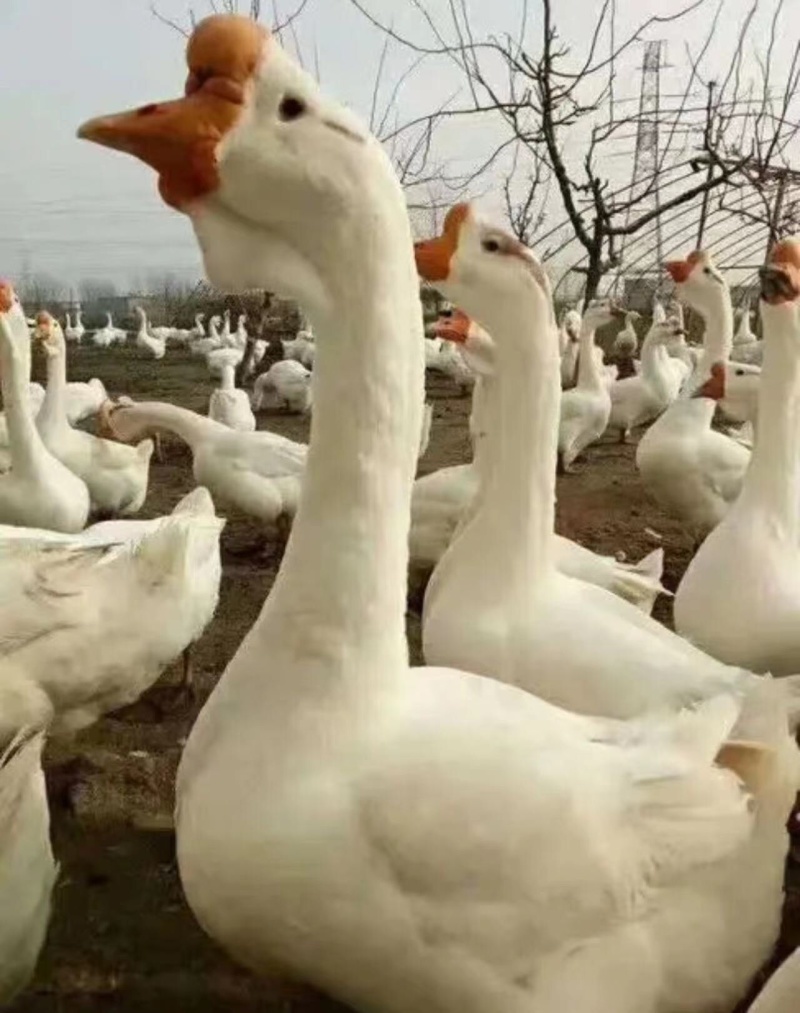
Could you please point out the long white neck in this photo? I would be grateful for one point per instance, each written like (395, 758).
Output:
(718, 337)
(54, 407)
(517, 511)
(654, 365)
(69, 322)
(590, 376)
(228, 377)
(772, 483)
(135, 421)
(109, 320)
(78, 321)
(344, 573)
(213, 329)
(25, 444)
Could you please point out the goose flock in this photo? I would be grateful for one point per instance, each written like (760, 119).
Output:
(569, 808)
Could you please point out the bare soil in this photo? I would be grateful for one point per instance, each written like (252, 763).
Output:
(122, 937)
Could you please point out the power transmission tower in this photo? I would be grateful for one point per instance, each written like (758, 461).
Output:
(645, 177)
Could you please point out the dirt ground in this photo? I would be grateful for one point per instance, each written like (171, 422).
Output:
(122, 937)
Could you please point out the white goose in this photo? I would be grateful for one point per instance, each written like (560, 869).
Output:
(115, 475)
(586, 407)
(257, 472)
(154, 344)
(510, 613)
(693, 471)
(83, 399)
(569, 345)
(38, 490)
(89, 623)
(746, 346)
(441, 501)
(199, 330)
(27, 869)
(204, 345)
(636, 400)
(740, 597)
(626, 343)
(74, 332)
(288, 382)
(701, 286)
(229, 405)
(350, 820)
(104, 337)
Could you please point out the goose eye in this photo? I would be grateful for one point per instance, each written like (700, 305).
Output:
(491, 245)
(291, 108)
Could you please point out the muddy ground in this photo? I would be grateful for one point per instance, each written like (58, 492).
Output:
(122, 938)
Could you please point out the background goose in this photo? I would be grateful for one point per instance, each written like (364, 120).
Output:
(115, 475)
(38, 490)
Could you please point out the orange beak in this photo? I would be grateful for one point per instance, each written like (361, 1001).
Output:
(180, 139)
(454, 328)
(780, 279)
(433, 256)
(433, 259)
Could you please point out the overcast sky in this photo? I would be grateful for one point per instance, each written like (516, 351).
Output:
(75, 211)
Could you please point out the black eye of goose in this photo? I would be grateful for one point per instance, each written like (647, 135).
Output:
(491, 245)
(291, 108)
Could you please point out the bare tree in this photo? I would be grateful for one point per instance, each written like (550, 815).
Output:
(542, 96)
(41, 290)
(250, 8)
(93, 290)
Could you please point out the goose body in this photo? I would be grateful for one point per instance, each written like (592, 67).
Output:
(90, 623)
(104, 337)
(217, 359)
(569, 345)
(746, 346)
(83, 399)
(231, 406)
(740, 596)
(27, 869)
(637, 400)
(38, 490)
(74, 332)
(115, 475)
(152, 341)
(288, 382)
(586, 407)
(626, 343)
(693, 471)
(339, 814)
(257, 472)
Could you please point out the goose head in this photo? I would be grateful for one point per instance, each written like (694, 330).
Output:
(665, 333)
(699, 284)
(257, 157)
(486, 271)
(780, 293)
(572, 325)
(602, 312)
(475, 344)
(50, 333)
